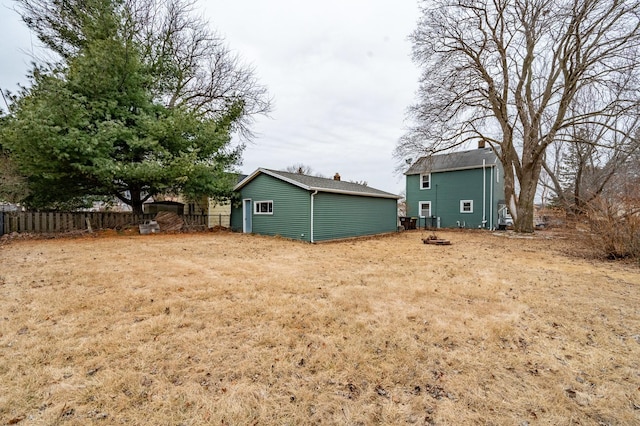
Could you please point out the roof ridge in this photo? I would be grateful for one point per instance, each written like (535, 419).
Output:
(456, 160)
(323, 184)
(319, 177)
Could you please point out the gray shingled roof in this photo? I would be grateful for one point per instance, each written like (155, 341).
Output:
(313, 183)
(471, 159)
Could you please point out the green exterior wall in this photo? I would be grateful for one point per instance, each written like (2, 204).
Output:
(335, 215)
(343, 216)
(449, 188)
(236, 216)
(291, 208)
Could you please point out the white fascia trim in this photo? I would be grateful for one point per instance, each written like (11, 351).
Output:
(267, 172)
(291, 181)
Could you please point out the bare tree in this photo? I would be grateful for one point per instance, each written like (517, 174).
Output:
(507, 71)
(614, 216)
(582, 165)
(299, 168)
(402, 204)
(302, 169)
(197, 69)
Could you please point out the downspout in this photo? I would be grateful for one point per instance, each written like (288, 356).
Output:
(484, 194)
(435, 213)
(491, 200)
(311, 234)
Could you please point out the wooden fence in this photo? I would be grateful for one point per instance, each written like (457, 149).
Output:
(41, 222)
(223, 220)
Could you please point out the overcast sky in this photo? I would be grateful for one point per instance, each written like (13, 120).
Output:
(339, 72)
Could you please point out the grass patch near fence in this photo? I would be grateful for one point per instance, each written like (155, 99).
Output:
(232, 329)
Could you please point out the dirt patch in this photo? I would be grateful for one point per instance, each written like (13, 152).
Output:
(225, 328)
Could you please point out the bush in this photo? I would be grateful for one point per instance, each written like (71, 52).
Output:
(615, 228)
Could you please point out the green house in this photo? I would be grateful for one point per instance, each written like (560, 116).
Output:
(459, 189)
(310, 208)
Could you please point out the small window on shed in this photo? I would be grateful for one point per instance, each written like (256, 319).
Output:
(263, 207)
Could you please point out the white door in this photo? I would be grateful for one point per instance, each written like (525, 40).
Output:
(247, 226)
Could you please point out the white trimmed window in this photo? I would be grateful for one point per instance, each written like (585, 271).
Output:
(466, 206)
(425, 208)
(425, 181)
(263, 207)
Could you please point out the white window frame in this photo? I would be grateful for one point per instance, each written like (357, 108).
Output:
(257, 209)
(420, 203)
(462, 203)
(422, 181)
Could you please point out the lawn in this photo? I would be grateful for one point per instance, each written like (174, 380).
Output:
(231, 329)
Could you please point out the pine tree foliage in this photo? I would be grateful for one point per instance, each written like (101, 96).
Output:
(113, 116)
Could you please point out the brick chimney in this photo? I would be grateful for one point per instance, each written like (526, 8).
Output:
(336, 176)
(481, 143)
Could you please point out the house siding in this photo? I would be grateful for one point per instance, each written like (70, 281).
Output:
(291, 208)
(335, 215)
(449, 188)
(236, 217)
(343, 216)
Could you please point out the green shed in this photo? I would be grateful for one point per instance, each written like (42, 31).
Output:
(311, 208)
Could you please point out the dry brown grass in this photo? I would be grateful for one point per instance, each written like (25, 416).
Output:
(231, 329)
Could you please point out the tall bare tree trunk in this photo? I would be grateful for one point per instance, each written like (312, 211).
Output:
(526, 200)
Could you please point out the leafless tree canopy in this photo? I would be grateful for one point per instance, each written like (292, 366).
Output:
(300, 168)
(592, 160)
(508, 72)
(192, 65)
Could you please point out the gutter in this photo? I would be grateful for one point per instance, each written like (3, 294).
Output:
(484, 195)
(363, 194)
(491, 204)
(311, 233)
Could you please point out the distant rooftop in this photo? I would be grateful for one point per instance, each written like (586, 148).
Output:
(471, 159)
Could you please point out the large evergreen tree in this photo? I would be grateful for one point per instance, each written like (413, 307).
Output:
(104, 120)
